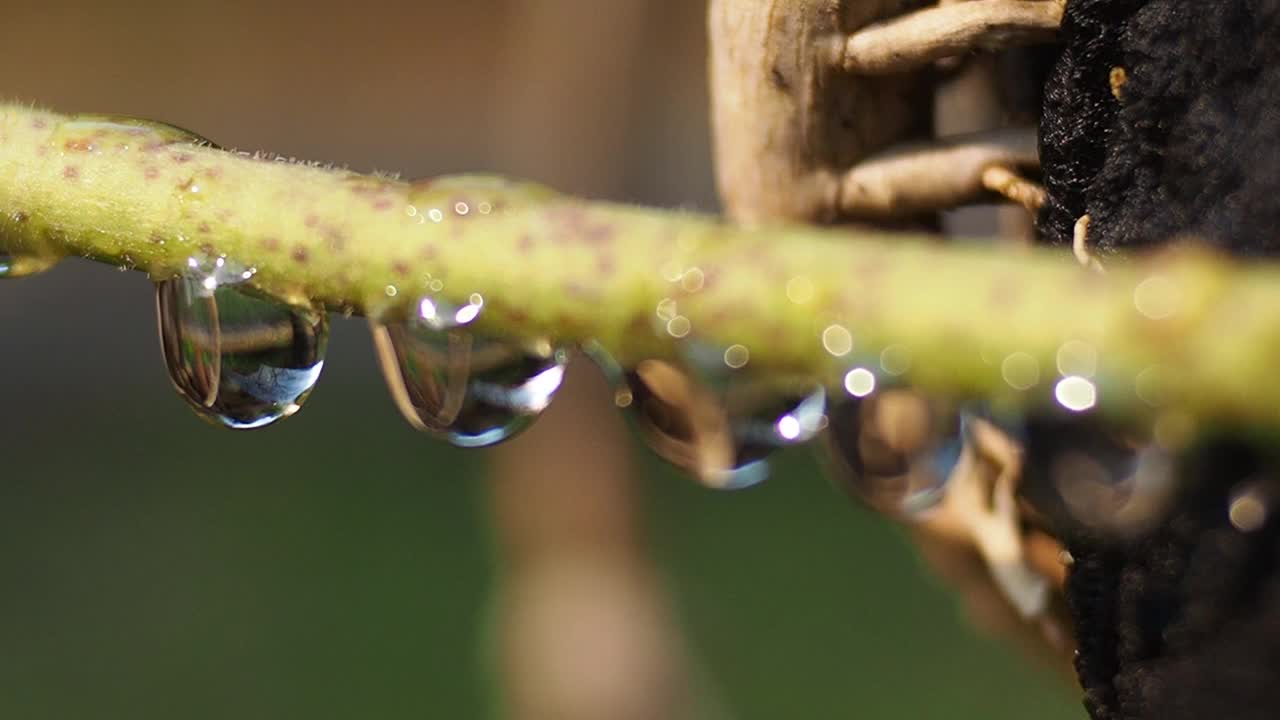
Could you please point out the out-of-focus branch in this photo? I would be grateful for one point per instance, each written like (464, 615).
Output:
(585, 631)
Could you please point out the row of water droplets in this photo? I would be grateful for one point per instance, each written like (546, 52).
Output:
(244, 361)
(900, 449)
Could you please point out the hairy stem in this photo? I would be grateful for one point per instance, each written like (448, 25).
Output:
(1182, 331)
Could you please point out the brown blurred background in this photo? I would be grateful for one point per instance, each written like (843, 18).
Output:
(341, 565)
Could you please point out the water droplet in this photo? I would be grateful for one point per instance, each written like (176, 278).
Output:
(737, 356)
(1082, 473)
(895, 449)
(466, 196)
(16, 266)
(720, 432)
(860, 382)
(679, 327)
(1250, 506)
(837, 340)
(459, 385)
(896, 360)
(239, 359)
(1157, 297)
(99, 132)
(1021, 370)
(1076, 394)
(693, 280)
(1076, 357)
(800, 290)
(1151, 386)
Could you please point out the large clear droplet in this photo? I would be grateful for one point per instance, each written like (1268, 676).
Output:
(466, 388)
(895, 449)
(240, 360)
(89, 132)
(720, 434)
(16, 266)
(1083, 474)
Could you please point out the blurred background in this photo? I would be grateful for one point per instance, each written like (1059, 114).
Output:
(341, 565)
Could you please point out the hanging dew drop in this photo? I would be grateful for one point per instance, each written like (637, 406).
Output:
(17, 266)
(711, 416)
(720, 432)
(462, 386)
(1084, 474)
(88, 133)
(894, 448)
(240, 360)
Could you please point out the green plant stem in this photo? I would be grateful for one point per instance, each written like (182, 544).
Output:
(1184, 331)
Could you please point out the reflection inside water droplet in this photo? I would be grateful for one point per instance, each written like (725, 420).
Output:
(105, 129)
(895, 449)
(1076, 394)
(721, 436)
(240, 360)
(1082, 474)
(16, 266)
(1250, 506)
(459, 385)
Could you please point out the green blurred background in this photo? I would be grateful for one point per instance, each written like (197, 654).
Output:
(341, 565)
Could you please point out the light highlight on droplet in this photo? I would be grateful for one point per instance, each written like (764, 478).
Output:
(737, 356)
(460, 386)
(1021, 371)
(1077, 357)
(1157, 297)
(1248, 511)
(800, 290)
(1076, 394)
(837, 340)
(789, 428)
(860, 382)
(679, 327)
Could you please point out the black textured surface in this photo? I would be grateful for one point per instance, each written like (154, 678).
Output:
(1192, 146)
(1184, 623)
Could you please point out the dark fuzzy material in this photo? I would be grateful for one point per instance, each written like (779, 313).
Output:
(1193, 144)
(1185, 623)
